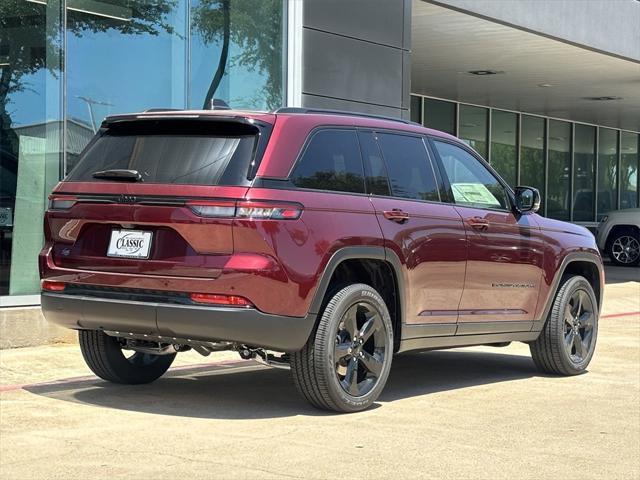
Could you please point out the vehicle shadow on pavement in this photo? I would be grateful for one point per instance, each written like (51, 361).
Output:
(254, 391)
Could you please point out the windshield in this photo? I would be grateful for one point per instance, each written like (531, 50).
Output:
(170, 151)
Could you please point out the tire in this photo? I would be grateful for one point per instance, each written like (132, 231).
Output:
(623, 247)
(345, 364)
(105, 358)
(568, 340)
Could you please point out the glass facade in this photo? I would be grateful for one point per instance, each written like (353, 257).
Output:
(532, 155)
(439, 115)
(472, 128)
(504, 144)
(559, 170)
(120, 56)
(582, 171)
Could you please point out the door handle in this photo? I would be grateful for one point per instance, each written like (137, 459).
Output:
(396, 215)
(478, 223)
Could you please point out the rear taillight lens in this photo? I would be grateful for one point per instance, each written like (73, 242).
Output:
(61, 203)
(221, 300)
(263, 210)
(250, 210)
(51, 286)
(213, 209)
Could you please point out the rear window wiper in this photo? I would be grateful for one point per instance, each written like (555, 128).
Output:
(119, 175)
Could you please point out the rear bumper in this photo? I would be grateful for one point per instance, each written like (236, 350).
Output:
(243, 325)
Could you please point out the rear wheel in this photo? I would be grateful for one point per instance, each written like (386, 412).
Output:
(345, 364)
(568, 340)
(106, 358)
(624, 247)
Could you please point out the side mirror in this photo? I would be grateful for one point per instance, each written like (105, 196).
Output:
(527, 199)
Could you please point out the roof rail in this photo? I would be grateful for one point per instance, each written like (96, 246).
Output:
(341, 112)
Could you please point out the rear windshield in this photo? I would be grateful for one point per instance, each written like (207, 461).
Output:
(171, 151)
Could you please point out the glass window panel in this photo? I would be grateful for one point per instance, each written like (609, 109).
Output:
(374, 167)
(331, 161)
(473, 128)
(630, 162)
(30, 133)
(559, 170)
(237, 53)
(532, 154)
(416, 109)
(584, 158)
(440, 115)
(504, 153)
(131, 60)
(471, 182)
(410, 170)
(607, 171)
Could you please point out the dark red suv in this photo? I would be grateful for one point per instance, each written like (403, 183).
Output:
(319, 240)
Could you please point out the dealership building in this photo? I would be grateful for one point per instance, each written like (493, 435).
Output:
(547, 90)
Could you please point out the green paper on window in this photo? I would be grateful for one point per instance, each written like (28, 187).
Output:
(475, 193)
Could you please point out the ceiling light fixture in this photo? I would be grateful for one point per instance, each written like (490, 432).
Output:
(605, 98)
(485, 72)
(545, 85)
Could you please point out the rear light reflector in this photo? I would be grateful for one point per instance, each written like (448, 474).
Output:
(51, 286)
(262, 210)
(222, 300)
(61, 203)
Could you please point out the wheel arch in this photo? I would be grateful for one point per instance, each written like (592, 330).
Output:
(585, 264)
(378, 267)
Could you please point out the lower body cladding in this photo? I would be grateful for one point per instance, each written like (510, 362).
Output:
(165, 328)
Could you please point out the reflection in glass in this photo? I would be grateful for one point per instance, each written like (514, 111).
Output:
(584, 159)
(416, 109)
(131, 60)
(237, 53)
(504, 132)
(559, 170)
(30, 131)
(607, 171)
(532, 154)
(473, 128)
(629, 165)
(440, 115)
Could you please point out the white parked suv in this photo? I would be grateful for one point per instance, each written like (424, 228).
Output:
(618, 235)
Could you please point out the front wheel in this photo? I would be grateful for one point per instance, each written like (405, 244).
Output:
(106, 358)
(568, 339)
(345, 363)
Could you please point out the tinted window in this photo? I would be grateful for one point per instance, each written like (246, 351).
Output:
(331, 161)
(472, 184)
(410, 171)
(194, 153)
(374, 168)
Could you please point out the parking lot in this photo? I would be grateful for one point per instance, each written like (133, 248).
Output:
(472, 413)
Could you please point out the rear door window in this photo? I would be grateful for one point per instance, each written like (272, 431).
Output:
(179, 152)
(331, 161)
(410, 171)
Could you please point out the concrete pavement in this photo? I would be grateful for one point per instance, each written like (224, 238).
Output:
(470, 413)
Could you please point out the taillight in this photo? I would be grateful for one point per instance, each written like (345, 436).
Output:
(267, 210)
(221, 300)
(260, 210)
(61, 203)
(51, 286)
(212, 208)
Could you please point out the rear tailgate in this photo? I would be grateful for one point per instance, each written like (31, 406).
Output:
(157, 224)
